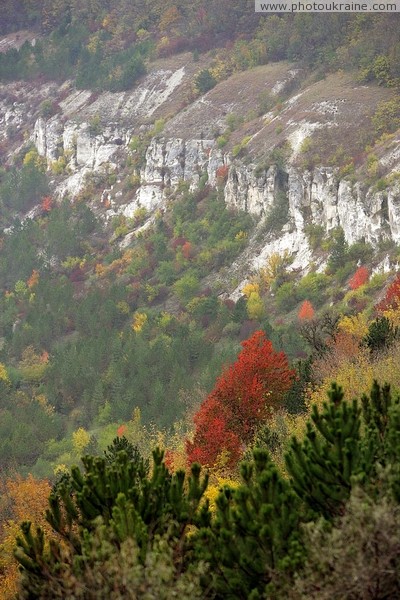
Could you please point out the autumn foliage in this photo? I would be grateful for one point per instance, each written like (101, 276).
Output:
(392, 296)
(306, 311)
(47, 204)
(359, 278)
(21, 499)
(244, 396)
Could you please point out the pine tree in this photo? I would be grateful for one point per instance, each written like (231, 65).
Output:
(381, 334)
(255, 535)
(121, 496)
(321, 467)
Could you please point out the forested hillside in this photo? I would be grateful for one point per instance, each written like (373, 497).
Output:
(200, 219)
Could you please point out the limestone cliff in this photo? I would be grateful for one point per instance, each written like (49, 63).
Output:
(92, 134)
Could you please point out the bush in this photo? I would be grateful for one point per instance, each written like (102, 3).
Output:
(313, 287)
(205, 81)
(358, 558)
(286, 296)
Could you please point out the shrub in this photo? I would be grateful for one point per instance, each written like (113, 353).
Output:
(205, 81)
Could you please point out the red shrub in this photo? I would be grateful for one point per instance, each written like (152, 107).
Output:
(392, 296)
(306, 311)
(359, 278)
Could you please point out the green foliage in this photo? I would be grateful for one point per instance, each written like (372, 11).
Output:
(237, 150)
(95, 127)
(205, 81)
(255, 534)
(313, 287)
(360, 251)
(346, 445)
(187, 286)
(315, 235)
(323, 464)
(381, 335)
(387, 116)
(351, 560)
(338, 250)
(286, 296)
(22, 188)
(122, 527)
(116, 499)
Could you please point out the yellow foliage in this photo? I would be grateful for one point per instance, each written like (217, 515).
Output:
(32, 366)
(356, 325)
(80, 439)
(22, 499)
(3, 374)
(251, 288)
(220, 476)
(393, 314)
(169, 18)
(139, 321)
(241, 236)
(123, 307)
(255, 307)
(44, 403)
(100, 270)
(220, 69)
(276, 266)
(61, 469)
(357, 373)
(32, 158)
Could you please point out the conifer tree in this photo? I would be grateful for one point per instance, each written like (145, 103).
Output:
(255, 535)
(116, 494)
(321, 467)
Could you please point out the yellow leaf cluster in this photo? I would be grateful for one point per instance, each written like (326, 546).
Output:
(3, 374)
(255, 307)
(80, 440)
(276, 266)
(251, 288)
(356, 325)
(22, 499)
(139, 321)
(393, 314)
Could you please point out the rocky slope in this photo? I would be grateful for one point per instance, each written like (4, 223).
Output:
(264, 109)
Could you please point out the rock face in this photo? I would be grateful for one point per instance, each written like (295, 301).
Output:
(315, 198)
(318, 197)
(90, 133)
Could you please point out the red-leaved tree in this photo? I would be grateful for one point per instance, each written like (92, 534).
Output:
(359, 278)
(392, 296)
(244, 397)
(212, 436)
(306, 311)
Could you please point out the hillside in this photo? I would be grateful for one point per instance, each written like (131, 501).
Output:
(200, 229)
(134, 218)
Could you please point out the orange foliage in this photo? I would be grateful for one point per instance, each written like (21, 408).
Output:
(121, 430)
(187, 250)
(359, 278)
(21, 500)
(33, 279)
(44, 357)
(306, 311)
(47, 204)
